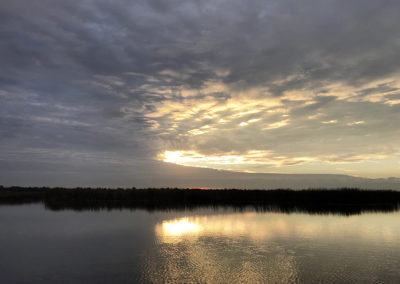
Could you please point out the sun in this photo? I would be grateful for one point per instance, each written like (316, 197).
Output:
(172, 156)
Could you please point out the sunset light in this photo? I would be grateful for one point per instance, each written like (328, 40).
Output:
(200, 141)
(180, 227)
(246, 87)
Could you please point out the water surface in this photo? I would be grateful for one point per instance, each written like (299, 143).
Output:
(196, 246)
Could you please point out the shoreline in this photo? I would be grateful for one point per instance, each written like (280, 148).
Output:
(343, 201)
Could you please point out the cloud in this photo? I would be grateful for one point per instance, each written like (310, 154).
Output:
(300, 81)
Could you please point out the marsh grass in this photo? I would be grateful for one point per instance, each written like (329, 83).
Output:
(343, 201)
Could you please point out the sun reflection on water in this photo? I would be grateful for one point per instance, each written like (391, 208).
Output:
(250, 247)
(221, 248)
(180, 227)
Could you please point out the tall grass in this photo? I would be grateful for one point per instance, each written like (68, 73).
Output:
(321, 201)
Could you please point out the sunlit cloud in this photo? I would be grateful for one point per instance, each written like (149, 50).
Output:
(218, 83)
(333, 121)
(316, 116)
(346, 159)
(212, 132)
(355, 123)
(197, 132)
(264, 161)
(191, 158)
(277, 124)
(241, 161)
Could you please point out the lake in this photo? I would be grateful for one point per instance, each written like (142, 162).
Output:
(196, 246)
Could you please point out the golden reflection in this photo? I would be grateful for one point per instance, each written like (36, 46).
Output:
(216, 249)
(230, 225)
(261, 227)
(255, 247)
(180, 227)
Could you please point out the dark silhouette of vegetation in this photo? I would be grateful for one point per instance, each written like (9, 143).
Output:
(317, 201)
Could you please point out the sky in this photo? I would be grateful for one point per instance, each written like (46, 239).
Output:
(93, 87)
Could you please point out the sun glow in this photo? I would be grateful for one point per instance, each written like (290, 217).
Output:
(258, 161)
(172, 156)
(191, 158)
(241, 161)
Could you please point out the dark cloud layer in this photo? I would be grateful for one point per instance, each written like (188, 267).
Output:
(290, 86)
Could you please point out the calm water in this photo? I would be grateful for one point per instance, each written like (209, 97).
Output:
(200, 246)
